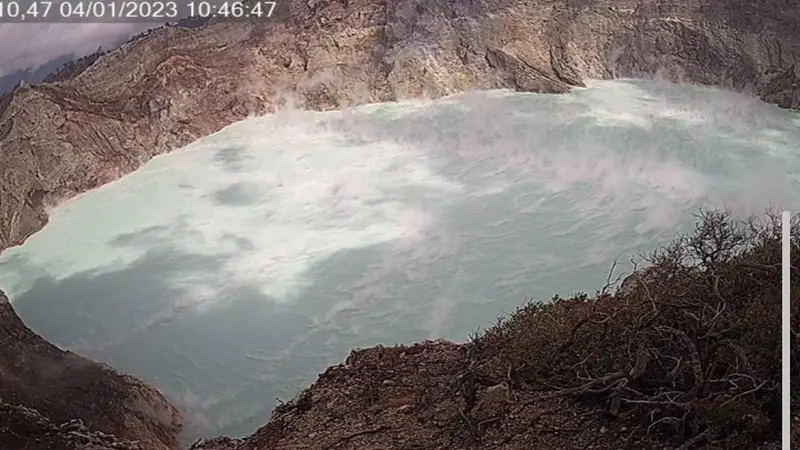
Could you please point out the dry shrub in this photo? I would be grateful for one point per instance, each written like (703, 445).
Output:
(687, 351)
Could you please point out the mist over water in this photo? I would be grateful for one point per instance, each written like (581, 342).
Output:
(233, 271)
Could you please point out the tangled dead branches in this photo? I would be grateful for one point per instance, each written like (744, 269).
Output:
(689, 354)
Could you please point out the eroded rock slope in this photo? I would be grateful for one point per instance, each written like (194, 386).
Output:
(177, 84)
(48, 393)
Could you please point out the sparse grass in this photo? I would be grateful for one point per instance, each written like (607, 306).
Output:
(687, 353)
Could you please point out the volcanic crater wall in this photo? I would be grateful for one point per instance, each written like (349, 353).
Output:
(175, 85)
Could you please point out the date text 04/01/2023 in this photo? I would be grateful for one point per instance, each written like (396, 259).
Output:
(129, 10)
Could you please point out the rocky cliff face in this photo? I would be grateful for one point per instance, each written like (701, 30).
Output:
(26, 428)
(77, 395)
(175, 85)
(422, 397)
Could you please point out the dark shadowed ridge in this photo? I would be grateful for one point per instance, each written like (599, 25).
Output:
(67, 387)
(32, 76)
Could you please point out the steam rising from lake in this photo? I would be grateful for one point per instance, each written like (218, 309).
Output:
(233, 271)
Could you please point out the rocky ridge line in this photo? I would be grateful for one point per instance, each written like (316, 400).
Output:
(65, 387)
(177, 84)
(18, 424)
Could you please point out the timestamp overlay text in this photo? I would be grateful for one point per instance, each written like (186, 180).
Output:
(127, 11)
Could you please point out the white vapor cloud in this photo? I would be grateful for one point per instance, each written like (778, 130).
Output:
(30, 45)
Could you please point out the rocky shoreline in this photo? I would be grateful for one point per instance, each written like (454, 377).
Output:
(175, 85)
(50, 394)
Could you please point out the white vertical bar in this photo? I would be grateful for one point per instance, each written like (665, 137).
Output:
(786, 351)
